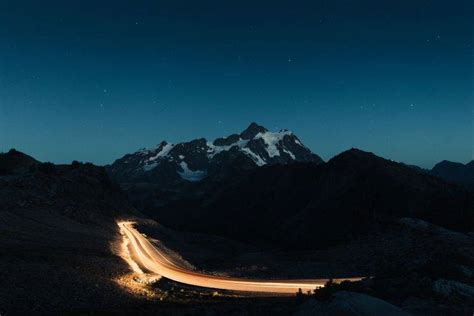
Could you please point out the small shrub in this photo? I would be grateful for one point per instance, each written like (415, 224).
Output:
(327, 292)
(300, 296)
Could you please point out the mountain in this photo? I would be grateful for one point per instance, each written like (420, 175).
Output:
(307, 205)
(15, 162)
(193, 161)
(455, 172)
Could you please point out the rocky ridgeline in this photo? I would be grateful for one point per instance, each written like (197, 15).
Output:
(195, 160)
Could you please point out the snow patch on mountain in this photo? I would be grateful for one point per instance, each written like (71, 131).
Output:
(271, 139)
(152, 162)
(214, 149)
(190, 175)
(163, 153)
(256, 158)
(290, 153)
(150, 166)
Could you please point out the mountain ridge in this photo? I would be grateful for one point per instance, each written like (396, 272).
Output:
(450, 171)
(455, 172)
(192, 161)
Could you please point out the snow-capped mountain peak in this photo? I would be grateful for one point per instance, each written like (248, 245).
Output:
(192, 161)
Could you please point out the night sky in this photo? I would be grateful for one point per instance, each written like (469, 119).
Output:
(88, 81)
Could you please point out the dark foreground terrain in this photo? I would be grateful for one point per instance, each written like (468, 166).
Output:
(420, 267)
(56, 225)
(60, 251)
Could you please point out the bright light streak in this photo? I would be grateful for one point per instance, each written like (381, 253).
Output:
(142, 254)
(125, 252)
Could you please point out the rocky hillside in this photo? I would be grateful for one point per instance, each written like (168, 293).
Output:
(83, 192)
(195, 160)
(57, 225)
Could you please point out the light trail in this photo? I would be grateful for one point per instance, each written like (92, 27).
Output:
(147, 256)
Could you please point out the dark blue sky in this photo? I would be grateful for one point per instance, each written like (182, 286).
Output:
(87, 81)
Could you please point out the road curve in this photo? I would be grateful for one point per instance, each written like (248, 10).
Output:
(147, 256)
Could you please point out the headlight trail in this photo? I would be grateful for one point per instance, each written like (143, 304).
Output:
(150, 258)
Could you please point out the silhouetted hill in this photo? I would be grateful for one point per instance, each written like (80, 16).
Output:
(79, 190)
(455, 172)
(15, 162)
(310, 206)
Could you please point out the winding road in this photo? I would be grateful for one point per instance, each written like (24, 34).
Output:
(149, 257)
